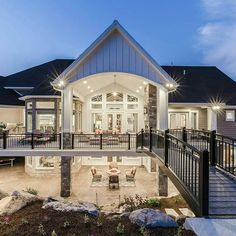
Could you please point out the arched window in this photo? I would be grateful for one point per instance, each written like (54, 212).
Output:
(115, 97)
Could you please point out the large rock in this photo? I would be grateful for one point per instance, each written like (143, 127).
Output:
(15, 202)
(150, 218)
(85, 207)
(3, 194)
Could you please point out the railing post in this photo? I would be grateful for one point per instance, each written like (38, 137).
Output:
(166, 146)
(4, 140)
(204, 183)
(32, 140)
(213, 148)
(142, 138)
(150, 139)
(73, 141)
(128, 141)
(100, 141)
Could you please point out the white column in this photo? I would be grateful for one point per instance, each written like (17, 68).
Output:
(211, 119)
(162, 109)
(67, 109)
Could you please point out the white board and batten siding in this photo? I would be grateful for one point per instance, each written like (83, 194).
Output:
(117, 54)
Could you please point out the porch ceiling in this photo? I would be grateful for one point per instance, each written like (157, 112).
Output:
(94, 83)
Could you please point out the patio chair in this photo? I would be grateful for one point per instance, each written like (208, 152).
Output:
(113, 182)
(97, 174)
(130, 174)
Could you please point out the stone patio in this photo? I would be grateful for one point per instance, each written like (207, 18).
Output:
(14, 178)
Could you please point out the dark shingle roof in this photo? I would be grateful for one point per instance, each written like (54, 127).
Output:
(197, 84)
(8, 97)
(38, 75)
(201, 84)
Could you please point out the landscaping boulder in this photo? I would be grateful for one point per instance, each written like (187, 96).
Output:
(3, 194)
(85, 207)
(15, 202)
(150, 218)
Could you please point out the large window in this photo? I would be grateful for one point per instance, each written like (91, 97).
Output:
(115, 97)
(132, 122)
(29, 121)
(45, 162)
(45, 121)
(229, 115)
(96, 121)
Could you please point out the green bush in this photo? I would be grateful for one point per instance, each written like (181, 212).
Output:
(153, 201)
(32, 191)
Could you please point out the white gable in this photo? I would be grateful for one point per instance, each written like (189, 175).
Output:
(116, 51)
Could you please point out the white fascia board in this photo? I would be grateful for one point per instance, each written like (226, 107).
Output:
(19, 88)
(193, 104)
(11, 106)
(38, 96)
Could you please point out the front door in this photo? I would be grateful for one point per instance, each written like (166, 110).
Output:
(114, 121)
(178, 120)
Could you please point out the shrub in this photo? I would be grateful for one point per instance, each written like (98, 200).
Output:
(54, 233)
(120, 229)
(153, 201)
(66, 224)
(24, 221)
(32, 191)
(144, 231)
(41, 230)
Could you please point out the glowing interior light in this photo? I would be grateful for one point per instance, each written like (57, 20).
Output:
(114, 93)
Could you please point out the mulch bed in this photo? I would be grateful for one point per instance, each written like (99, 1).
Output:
(26, 223)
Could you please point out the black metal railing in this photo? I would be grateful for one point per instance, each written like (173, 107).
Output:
(189, 165)
(104, 141)
(225, 153)
(31, 141)
(78, 141)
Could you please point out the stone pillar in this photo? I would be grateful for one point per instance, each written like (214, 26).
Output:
(151, 106)
(67, 119)
(162, 183)
(65, 176)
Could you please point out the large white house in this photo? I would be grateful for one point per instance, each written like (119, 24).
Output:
(115, 86)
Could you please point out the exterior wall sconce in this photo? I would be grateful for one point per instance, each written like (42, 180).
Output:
(216, 108)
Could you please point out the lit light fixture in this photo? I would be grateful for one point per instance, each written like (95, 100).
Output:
(91, 90)
(216, 108)
(85, 82)
(144, 82)
(169, 85)
(140, 87)
(89, 87)
(61, 83)
(114, 93)
(137, 91)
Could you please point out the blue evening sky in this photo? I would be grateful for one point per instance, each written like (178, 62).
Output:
(36, 31)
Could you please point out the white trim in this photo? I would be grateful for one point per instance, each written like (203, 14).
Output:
(12, 106)
(19, 88)
(38, 96)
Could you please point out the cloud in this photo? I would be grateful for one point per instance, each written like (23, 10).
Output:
(217, 38)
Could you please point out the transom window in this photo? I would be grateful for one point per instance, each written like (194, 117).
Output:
(97, 98)
(131, 98)
(115, 97)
